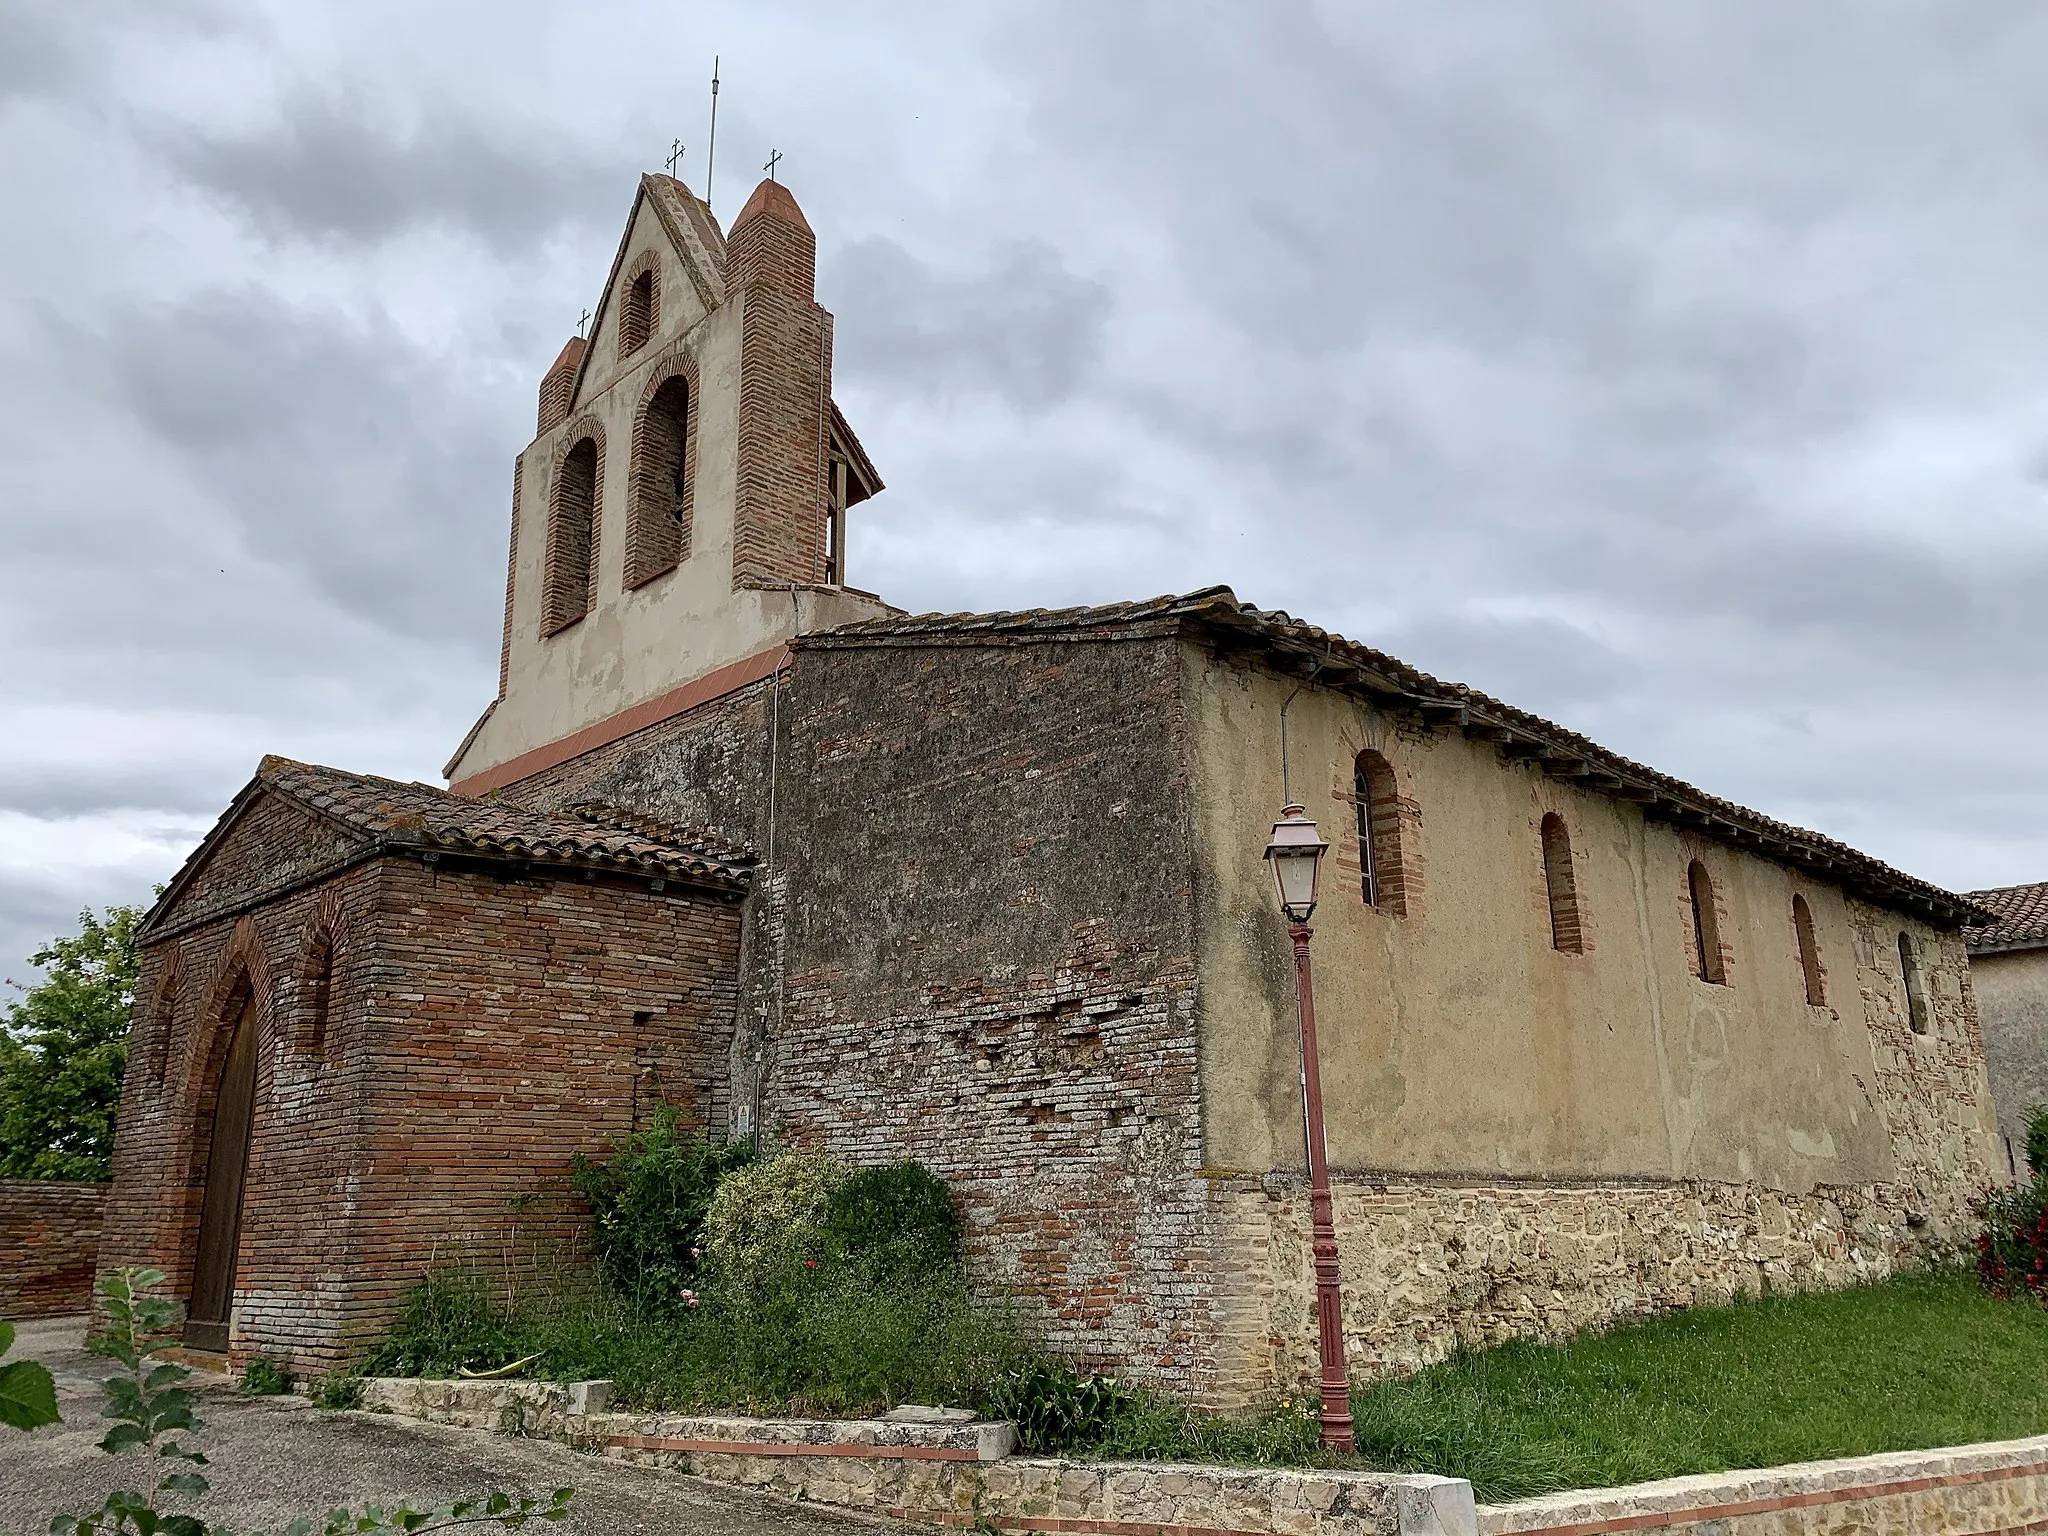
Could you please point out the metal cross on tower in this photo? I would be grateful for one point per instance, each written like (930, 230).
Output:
(582, 321)
(774, 159)
(675, 156)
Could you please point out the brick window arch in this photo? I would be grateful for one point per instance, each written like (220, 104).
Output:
(163, 1022)
(573, 501)
(1809, 953)
(664, 473)
(316, 992)
(1383, 871)
(640, 305)
(1561, 884)
(1708, 963)
(1916, 986)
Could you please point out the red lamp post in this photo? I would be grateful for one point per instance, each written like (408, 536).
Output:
(1296, 854)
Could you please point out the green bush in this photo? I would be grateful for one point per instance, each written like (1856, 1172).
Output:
(767, 1221)
(2037, 1140)
(648, 1201)
(449, 1320)
(265, 1378)
(900, 1213)
(336, 1391)
(2012, 1248)
(1056, 1409)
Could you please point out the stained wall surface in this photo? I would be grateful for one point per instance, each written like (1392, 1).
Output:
(2012, 999)
(1528, 1140)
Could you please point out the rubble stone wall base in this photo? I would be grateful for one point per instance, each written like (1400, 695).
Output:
(1430, 1264)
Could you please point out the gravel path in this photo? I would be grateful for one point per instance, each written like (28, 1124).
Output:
(277, 1457)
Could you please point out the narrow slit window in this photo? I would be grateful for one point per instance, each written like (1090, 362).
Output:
(1379, 834)
(1706, 927)
(319, 994)
(1916, 990)
(1809, 953)
(1562, 884)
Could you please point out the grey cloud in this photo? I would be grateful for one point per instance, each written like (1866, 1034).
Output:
(342, 451)
(334, 168)
(1022, 327)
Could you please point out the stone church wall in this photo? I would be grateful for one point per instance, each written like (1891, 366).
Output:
(1532, 1141)
(2012, 997)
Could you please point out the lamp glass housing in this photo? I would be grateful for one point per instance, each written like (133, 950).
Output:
(1296, 853)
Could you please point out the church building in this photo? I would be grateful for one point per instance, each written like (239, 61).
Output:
(986, 890)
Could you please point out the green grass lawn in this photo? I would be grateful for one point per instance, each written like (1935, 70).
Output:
(1924, 1360)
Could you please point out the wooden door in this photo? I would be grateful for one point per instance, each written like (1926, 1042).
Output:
(220, 1213)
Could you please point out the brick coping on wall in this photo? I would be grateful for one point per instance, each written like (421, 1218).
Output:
(1717, 1496)
(962, 1475)
(713, 685)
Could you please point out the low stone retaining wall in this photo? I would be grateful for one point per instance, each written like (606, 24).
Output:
(49, 1246)
(956, 1474)
(1999, 1489)
(963, 1474)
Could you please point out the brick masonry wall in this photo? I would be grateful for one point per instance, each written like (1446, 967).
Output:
(785, 387)
(998, 978)
(49, 1243)
(480, 1029)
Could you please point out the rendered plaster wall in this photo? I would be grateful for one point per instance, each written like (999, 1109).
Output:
(1531, 1141)
(2012, 1001)
(635, 644)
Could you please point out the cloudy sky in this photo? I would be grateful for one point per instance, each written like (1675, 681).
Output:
(1678, 371)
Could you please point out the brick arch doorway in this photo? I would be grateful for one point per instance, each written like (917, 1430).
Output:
(227, 1166)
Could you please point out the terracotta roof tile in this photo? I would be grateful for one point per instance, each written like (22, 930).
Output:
(1303, 649)
(2022, 913)
(401, 815)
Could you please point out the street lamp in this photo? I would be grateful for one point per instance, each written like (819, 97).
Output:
(1296, 853)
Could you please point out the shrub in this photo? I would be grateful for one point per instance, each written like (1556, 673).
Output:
(2012, 1249)
(337, 1391)
(265, 1378)
(900, 1213)
(648, 1201)
(2037, 1140)
(449, 1320)
(1056, 1409)
(766, 1222)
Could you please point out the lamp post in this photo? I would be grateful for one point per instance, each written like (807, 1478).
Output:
(1296, 854)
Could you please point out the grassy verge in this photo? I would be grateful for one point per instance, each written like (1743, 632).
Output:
(1920, 1361)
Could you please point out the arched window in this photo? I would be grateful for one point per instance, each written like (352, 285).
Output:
(1916, 991)
(639, 312)
(572, 538)
(1383, 879)
(1563, 886)
(1809, 953)
(163, 1025)
(658, 523)
(1706, 926)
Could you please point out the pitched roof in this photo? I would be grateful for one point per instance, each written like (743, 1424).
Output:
(1291, 646)
(395, 817)
(2022, 919)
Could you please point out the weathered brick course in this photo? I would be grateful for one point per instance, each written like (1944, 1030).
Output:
(49, 1244)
